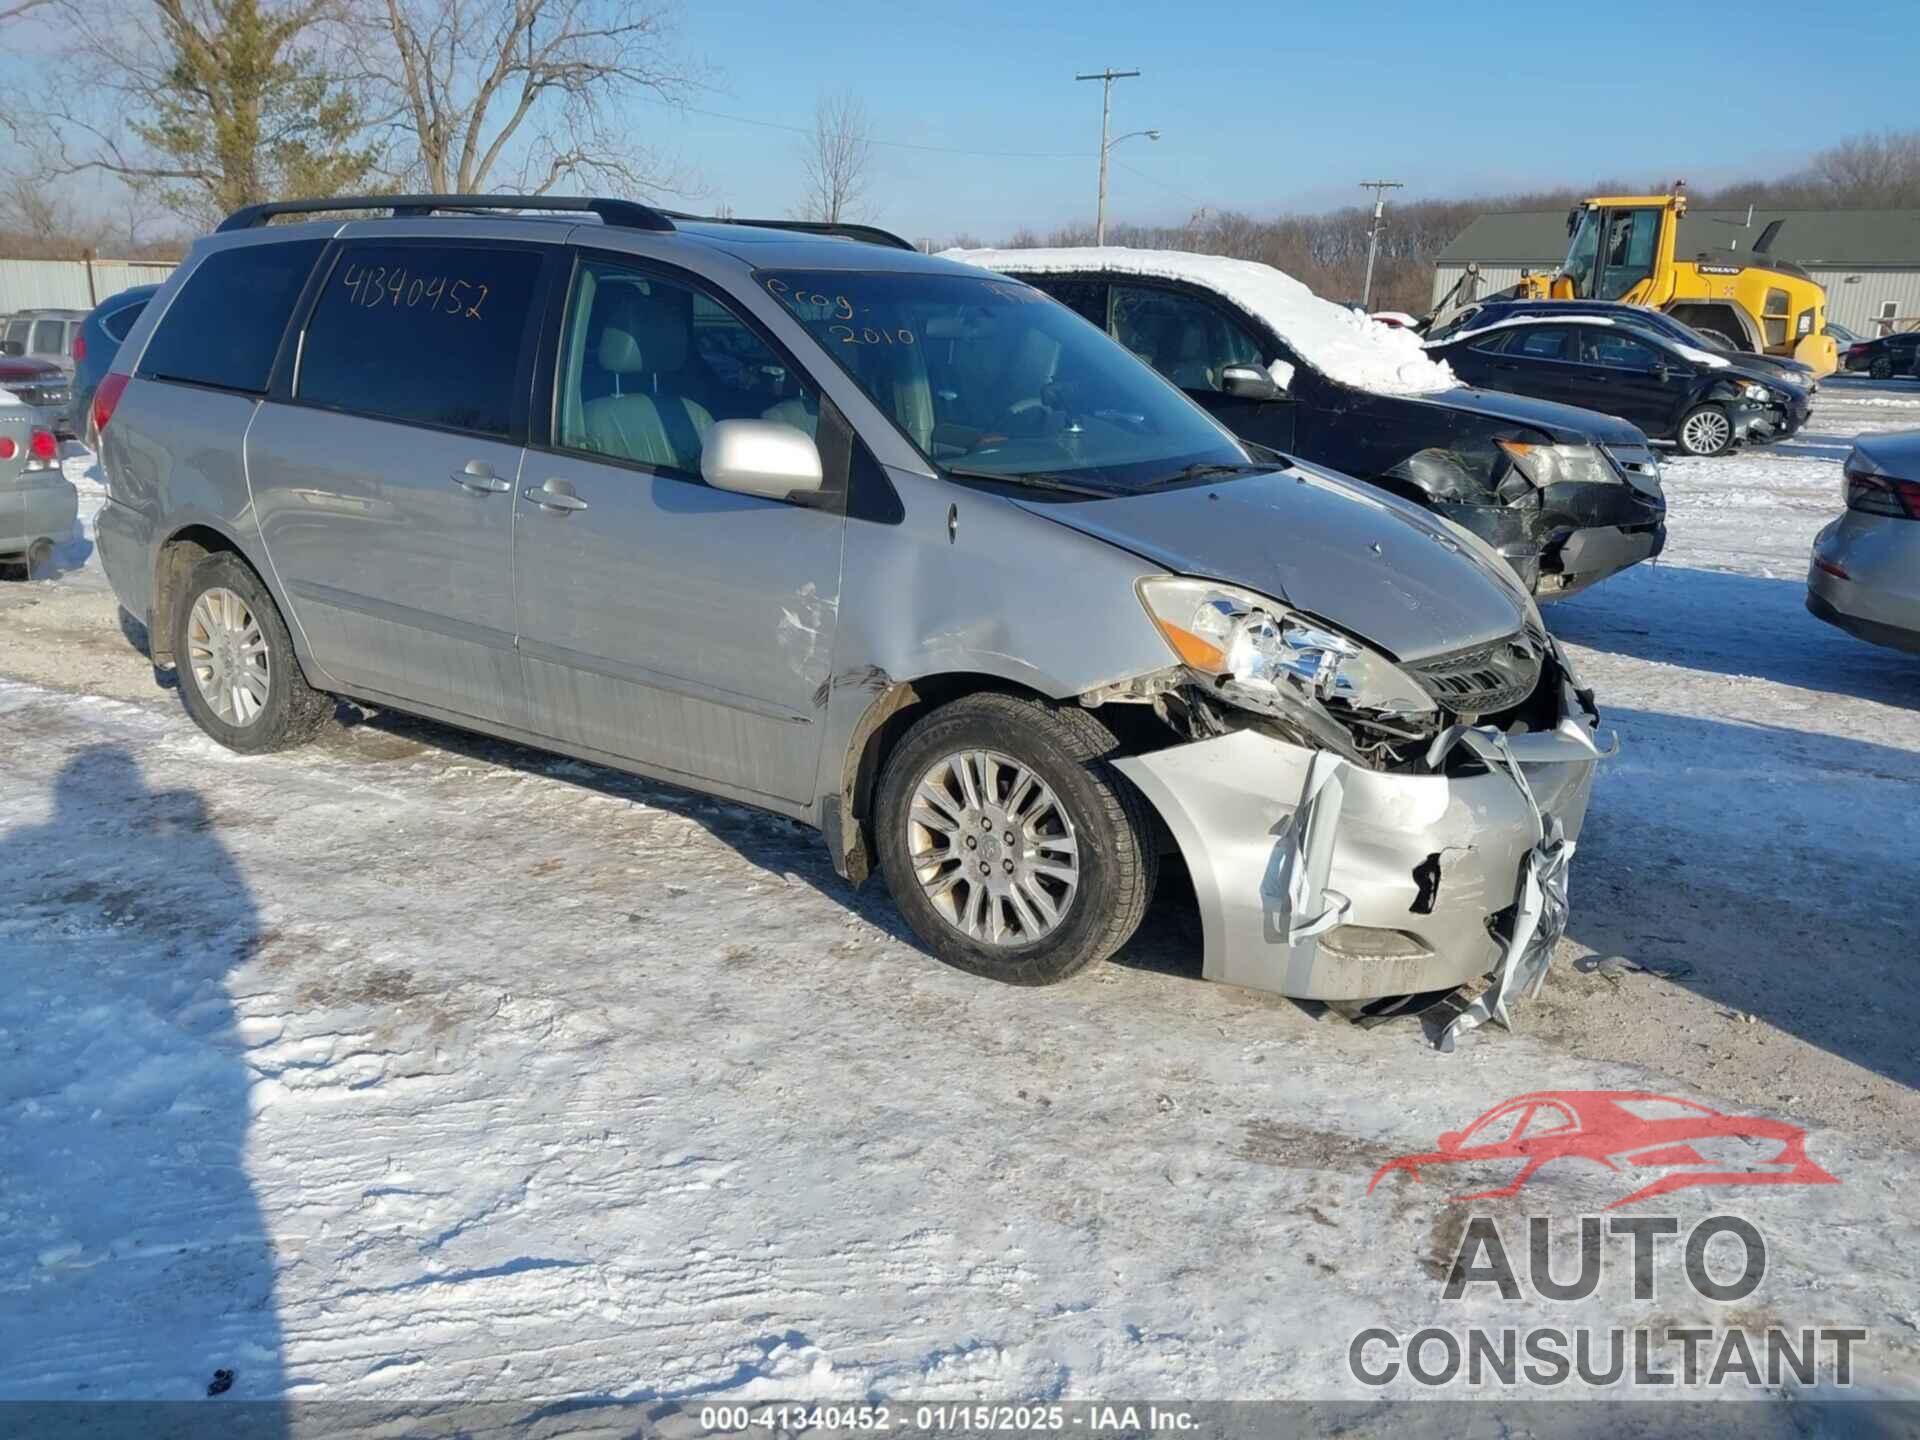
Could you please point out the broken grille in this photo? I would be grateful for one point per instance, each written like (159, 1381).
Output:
(1483, 680)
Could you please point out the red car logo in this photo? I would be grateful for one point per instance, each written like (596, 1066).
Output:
(1625, 1131)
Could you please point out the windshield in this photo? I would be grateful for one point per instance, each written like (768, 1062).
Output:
(1582, 254)
(991, 379)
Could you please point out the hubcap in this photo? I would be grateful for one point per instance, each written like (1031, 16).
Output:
(227, 656)
(993, 848)
(1707, 431)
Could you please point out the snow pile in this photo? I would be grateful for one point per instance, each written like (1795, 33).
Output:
(1341, 344)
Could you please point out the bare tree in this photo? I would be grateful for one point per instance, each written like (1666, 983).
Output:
(199, 105)
(523, 94)
(837, 160)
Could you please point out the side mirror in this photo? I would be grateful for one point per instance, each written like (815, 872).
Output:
(761, 457)
(1245, 382)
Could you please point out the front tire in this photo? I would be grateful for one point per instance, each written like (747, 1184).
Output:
(1010, 845)
(1705, 431)
(239, 677)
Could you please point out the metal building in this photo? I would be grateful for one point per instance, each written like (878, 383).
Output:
(1868, 260)
(72, 284)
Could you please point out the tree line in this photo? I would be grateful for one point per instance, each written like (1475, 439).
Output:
(1328, 250)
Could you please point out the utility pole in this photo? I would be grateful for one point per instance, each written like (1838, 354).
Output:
(1106, 79)
(1379, 188)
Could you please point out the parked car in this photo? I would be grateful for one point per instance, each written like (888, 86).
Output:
(1673, 392)
(1842, 336)
(943, 572)
(1884, 356)
(37, 502)
(1798, 376)
(42, 388)
(44, 335)
(1865, 572)
(95, 346)
(1567, 496)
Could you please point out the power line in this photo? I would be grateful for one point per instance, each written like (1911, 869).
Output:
(889, 144)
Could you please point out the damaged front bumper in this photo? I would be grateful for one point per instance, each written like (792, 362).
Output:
(1323, 880)
(1576, 534)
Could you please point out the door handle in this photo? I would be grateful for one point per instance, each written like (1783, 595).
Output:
(554, 499)
(478, 477)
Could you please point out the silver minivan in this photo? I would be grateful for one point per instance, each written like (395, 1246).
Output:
(879, 542)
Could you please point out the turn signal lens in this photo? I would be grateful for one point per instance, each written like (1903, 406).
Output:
(7, 448)
(1200, 654)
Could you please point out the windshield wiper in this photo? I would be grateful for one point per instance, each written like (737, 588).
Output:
(1038, 479)
(1205, 468)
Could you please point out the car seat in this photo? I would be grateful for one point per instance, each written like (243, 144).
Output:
(643, 344)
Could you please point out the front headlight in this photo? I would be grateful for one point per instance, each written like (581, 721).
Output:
(1257, 652)
(1757, 392)
(1548, 465)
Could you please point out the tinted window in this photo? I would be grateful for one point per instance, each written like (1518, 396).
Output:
(1495, 343)
(224, 326)
(1543, 342)
(18, 330)
(427, 334)
(1187, 340)
(1086, 298)
(1621, 352)
(49, 337)
(121, 321)
(648, 365)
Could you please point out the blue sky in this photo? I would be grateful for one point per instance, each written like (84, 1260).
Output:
(1264, 107)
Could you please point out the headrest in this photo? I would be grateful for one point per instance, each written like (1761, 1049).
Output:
(644, 332)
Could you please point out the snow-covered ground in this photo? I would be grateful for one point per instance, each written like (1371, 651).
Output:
(412, 1065)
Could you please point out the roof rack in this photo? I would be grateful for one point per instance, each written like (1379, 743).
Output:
(867, 234)
(628, 214)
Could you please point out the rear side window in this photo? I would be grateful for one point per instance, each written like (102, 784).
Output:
(1544, 343)
(121, 321)
(424, 334)
(49, 337)
(224, 326)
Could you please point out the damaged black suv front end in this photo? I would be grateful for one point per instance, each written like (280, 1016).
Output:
(1565, 509)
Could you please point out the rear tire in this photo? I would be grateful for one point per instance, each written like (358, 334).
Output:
(239, 677)
(1881, 368)
(40, 559)
(1037, 773)
(1705, 431)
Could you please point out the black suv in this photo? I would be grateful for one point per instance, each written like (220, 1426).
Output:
(1568, 497)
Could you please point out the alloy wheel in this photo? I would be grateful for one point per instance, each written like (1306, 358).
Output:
(227, 656)
(1706, 432)
(993, 848)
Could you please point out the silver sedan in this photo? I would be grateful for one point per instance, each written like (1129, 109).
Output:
(1865, 575)
(37, 504)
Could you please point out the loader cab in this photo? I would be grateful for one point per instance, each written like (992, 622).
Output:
(1613, 249)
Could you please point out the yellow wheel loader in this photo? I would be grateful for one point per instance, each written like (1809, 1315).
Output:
(1623, 249)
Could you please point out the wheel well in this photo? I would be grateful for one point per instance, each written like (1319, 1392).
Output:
(848, 820)
(178, 555)
(848, 817)
(1727, 320)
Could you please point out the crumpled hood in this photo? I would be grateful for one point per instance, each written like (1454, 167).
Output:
(1389, 572)
(1568, 423)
